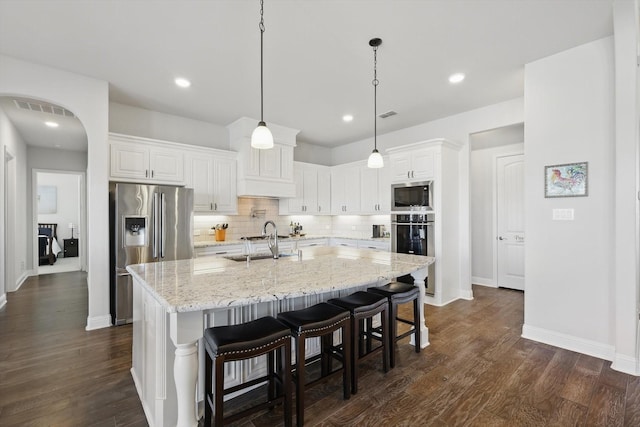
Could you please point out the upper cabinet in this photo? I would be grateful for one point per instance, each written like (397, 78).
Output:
(210, 172)
(375, 189)
(313, 191)
(266, 173)
(212, 175)
(345, 189)
(144, 160)
(414, 165)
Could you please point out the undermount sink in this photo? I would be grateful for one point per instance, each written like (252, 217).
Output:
(256, 257)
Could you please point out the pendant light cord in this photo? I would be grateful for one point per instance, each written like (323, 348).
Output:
(261, 26)
(375, 97)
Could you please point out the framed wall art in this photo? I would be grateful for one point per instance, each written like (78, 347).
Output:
(566, 180)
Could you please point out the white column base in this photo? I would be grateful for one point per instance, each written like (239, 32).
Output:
(419, 278)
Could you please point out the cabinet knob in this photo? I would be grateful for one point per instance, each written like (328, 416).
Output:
(146, 173)
(152, 173)
(215, 206)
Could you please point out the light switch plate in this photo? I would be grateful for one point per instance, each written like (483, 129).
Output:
(562, 214)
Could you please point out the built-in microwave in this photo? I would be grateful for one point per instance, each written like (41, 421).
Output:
(414, 196)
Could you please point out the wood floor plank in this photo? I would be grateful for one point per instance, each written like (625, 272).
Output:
(606, 407)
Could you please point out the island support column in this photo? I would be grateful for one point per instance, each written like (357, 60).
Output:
(185, 330)
(419, 280)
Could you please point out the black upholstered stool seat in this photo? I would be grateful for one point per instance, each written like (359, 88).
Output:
(320, 320)
(245, 341)
(245, 336)
(400, 293)
(363, 306)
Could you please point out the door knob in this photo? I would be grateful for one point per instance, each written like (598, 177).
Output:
(501, 238)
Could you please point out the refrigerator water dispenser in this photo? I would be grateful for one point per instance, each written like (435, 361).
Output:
(135, 231)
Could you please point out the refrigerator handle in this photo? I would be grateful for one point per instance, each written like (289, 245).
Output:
(163, 221)
(156, 227)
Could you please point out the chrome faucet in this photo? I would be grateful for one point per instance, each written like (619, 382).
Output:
(273, 244)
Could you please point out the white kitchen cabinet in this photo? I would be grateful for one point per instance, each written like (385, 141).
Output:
(212, 175)
(412, 166)
(313, 191)
(378, 245)
(442, 160)
(264, 173)
(345, 189)
(349, 243)
(219, 250)
(308, 243)
(375, 190)
(134, 159)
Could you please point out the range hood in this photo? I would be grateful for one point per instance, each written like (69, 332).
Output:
(263, 173)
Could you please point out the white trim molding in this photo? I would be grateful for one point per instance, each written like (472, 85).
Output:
(484, 281)
(569, 342)
(3, 300)
(98, 322)
(625, 364)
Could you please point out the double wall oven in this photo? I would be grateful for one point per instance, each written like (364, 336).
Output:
(412, 225)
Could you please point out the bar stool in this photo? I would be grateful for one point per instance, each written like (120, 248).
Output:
(400, 293)
(320, 320)
(363, 306)
(245, 341)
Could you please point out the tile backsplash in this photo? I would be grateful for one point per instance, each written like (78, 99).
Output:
(263, 209)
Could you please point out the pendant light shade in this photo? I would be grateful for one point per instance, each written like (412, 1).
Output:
(261, 137)
(375, 158)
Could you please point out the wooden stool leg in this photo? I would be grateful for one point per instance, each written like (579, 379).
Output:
(218, 397)
(356, 324)
(393, 332)
(285, 375)
(207, 388)
(347, 357)
(271, 384)
(300, 378)
(385, 346)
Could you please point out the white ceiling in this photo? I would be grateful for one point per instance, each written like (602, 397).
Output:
(318, 64)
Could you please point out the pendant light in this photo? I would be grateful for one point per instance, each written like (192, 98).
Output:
(375, 158)
(261, 137)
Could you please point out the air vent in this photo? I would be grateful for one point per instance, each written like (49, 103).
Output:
(42, 107)
(387, 114)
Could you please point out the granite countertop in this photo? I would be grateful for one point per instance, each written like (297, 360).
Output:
(216, 282)
(209, 243)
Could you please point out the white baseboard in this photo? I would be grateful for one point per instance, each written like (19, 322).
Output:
(467, 294)
(626, 364)
(3, 300)
(22, 279)
(483, 281)
(98, 322)
(569, 342)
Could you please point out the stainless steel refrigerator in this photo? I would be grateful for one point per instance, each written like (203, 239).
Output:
(148, 223)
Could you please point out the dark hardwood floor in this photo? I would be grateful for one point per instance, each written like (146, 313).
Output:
(477, 371)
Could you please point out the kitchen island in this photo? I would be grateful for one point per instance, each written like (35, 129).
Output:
(175, 301)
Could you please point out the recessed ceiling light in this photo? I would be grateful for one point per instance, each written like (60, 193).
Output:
(347, 118)
(456, 78)
(51, 124)
(182, 82)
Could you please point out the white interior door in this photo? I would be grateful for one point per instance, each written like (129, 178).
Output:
(510, 221)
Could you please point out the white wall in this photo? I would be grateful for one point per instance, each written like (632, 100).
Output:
(626, 178)
(129, 120)
(68, 202)
(569, 105)
(311, 153)
(14, 144)
(483, 208)
(88, 99)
